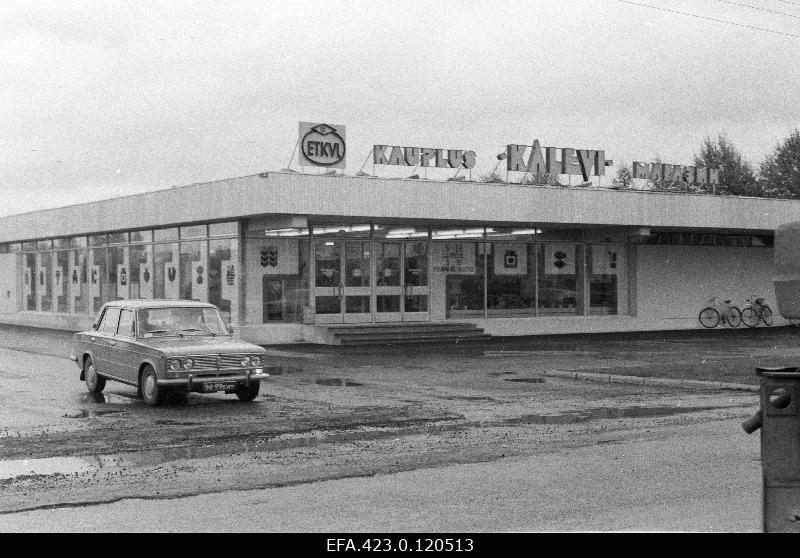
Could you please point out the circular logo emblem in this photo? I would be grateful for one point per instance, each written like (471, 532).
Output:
(322, 145)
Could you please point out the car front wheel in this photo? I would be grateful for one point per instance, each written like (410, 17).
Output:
(95, 383)
(148, 386)
(248, 393)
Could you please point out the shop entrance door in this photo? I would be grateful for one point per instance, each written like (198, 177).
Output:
(342, 281)
(402, 292)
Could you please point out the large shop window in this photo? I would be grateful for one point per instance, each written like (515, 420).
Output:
(462, 265)
(167, 284)
(560, 276)
(223, 277)
(607, 277)
(78, 275)
(97, 268)
(511, 274)
(29, 290)
(193, 271)
(78, 281)
(118, 283)
(61, 281)
(141, 276)
(44, 283)
(277, 277)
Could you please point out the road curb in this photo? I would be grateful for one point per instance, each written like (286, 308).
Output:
(646, 381)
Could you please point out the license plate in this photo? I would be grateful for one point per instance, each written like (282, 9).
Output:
(218, 386)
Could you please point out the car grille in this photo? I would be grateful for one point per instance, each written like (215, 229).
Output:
(216, 362)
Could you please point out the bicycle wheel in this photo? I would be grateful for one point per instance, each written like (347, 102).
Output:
(709, 317)
(766, 315)
(734, 316)
(750, 317)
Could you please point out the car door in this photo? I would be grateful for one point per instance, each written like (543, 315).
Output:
(123, 354)
(102, 338)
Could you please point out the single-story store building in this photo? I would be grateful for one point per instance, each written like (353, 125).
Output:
(288, 256)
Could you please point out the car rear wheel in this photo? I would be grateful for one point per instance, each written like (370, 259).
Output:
(95, 383)
(248, 393)
(148, 386)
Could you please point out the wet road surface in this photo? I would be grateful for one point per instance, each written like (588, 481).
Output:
(344, 420)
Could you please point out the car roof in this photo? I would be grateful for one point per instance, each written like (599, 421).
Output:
(157, 303)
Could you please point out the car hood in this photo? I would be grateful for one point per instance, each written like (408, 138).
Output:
(200, 345)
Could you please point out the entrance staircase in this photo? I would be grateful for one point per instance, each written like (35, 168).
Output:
(408, 332)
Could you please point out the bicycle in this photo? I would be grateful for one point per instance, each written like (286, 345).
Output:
(714, 313)
(756, 311)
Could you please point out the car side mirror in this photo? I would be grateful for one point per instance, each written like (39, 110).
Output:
(94, 326)
(230, 328)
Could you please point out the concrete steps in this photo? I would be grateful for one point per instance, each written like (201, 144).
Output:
(411, 332)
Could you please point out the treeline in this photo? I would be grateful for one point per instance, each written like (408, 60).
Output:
(777, 176)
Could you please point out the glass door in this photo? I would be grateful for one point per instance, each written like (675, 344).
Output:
(388, 281)
(402, 291)
(342, 287)
(416, 289)
(328, 286)
(357, 291)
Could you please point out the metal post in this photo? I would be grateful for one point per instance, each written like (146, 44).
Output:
(779, 421)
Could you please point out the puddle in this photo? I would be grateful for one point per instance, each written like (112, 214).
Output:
(108, 398)
(525, 380)
(600, 413)
(88, 413)
(341, 382)
(282, 370)
(470, 398)
(541, 353)
(168, 422)
(47, 466)
(155, 457)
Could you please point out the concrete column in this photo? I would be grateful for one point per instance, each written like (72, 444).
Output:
(241, 280)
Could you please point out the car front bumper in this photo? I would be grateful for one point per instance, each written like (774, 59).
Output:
(190, 382)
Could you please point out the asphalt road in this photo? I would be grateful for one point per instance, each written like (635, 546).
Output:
(703, 478)
(422, 439)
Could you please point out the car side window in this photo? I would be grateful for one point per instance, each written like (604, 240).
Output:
(126, 324)
(108, 323)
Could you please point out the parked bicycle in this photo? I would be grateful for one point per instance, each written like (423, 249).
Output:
(756, 311)
(716, 313)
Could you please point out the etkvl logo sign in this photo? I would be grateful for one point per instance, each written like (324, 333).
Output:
(322, 145)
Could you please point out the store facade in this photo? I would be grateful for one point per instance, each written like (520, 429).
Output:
(287, 255)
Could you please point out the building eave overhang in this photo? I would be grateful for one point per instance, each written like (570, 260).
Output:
(403, 199)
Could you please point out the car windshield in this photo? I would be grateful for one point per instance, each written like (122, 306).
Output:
(181, 320)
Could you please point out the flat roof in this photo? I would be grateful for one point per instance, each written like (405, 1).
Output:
(151, 303)
(326, 197)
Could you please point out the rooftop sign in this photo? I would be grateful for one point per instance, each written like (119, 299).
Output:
(423, 157)
(554, 160)
(662, 174)
(322, 145)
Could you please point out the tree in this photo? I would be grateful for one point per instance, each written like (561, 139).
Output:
(624, 178)
(779, 173)
(736, 176)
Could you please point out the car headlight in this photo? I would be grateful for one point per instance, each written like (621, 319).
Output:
(188, 364)
(174, 364)
(255, 360)
(246, 361)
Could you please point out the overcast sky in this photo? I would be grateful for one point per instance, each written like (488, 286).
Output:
(107, 98)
